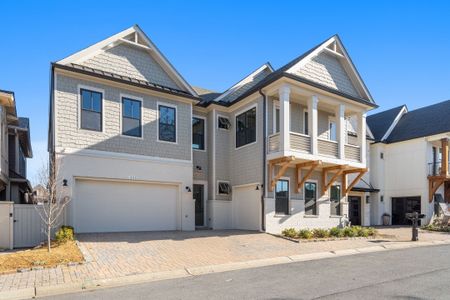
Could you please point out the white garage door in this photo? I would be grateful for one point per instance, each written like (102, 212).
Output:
(246, 203)
(107, 206)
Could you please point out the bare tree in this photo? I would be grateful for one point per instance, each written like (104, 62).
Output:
(51, 206)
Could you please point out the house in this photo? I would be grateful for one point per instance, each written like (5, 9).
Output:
(410, 161)
(141, 149)
(15, 148)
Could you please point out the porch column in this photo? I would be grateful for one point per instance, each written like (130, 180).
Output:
(444, 167)
(340, 130)
(285, 121)
(313, 123)
(362, 135)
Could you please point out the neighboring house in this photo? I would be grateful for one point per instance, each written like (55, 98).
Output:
(40, 193)
(410, 161)
(143, 150)
(15, 148)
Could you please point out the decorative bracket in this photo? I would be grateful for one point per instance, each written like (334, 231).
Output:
(312, 164)
(284, 162)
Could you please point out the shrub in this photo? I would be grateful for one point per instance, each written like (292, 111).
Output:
(336, 232)
(305, 234)
(371, 231)
(64, 234)
(320, 233)
(290, 232)
(349, 232)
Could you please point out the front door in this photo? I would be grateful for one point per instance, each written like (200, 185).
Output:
(282, 197)
(402, 206)
(199, 205)
(354, 210)
(310, 198)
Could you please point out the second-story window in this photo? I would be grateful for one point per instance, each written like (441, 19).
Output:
(305, 122)
(198, 133)
(246, 128)
(277, 120)
(91, 110)
(332, 132)
(131, 117)
(167, 130)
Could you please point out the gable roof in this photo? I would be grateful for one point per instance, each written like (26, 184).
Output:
(380, 123)
(366, 98)
(422, 122)
(133, 37)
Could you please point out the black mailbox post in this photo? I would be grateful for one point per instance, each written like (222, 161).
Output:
(415, 217)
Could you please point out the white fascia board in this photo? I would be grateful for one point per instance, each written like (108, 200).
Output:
(395, 122)
(244, 81)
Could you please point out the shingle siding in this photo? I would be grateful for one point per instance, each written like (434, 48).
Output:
(70, 136)
(132, 62)
(326, 69)
(246, 86)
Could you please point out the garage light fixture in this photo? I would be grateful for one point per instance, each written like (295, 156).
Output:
(188, 189)
(65, 183)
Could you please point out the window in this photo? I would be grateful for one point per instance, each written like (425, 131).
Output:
(131, 117)
(246, 128)
(223, 188)
(381, 155)
(167, 124)
(276, 117)
(198, 133)
(310, 198)
(335, 200)
(91, 110)
(305, 122)
(223, 123)
(333, 133)
(282, 197)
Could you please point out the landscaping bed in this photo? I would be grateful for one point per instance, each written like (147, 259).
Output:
(334, 233)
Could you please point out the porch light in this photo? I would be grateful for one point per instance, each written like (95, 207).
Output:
(65, 183)
(188, 189)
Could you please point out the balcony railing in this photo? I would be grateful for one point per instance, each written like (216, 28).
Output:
(327, 147)
(274, 143)
(434, 169)
(300, 142)
(352, 152)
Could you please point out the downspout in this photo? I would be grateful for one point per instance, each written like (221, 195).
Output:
(263, 186)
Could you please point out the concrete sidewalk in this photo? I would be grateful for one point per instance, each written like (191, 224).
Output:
(120, 259)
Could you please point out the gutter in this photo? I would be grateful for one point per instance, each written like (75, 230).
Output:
(263, 186)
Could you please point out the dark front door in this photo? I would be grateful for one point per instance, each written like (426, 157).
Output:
(402, 206)
(310, 198)
(354, 210)
(199, 205)
(282, 197)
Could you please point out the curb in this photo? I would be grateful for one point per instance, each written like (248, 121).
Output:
(202, 270)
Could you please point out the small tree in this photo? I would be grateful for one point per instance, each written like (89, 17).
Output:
(51, 206)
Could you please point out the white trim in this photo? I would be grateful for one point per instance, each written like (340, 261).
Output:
(255, 105)
(158, 103)
(205, 196)
(94, 89)
(332, 120)
(54, 114)
(117, 155)
(394, 123)
(135, 98)
(217, 186)
(225, 117)
(317, 198)
(276, 105)
(288, 179)
(204, 132)
(243, 81)
(214, 152)
(246, 185)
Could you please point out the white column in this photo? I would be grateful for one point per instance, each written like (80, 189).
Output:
(284, 93)
(313, 123)
(362, 135)
(340, 129)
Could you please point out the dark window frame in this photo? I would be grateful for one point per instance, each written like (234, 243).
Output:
(125, 98)
(91, 110)
(247, 135)
(170, 107)
(339, 208)
(227, 123)
(315, 211)
(203, 134)
(228, 192)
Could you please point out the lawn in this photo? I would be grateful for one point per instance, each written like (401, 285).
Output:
(40, 257)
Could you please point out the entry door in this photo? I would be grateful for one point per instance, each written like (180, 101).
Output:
(402, 206)
(310, 198)
(354, 210)
(199, 205)
(282, 197)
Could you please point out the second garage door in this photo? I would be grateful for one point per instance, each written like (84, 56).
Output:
(114, 206)
(246, 204)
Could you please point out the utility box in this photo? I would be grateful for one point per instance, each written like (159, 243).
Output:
(6, 224)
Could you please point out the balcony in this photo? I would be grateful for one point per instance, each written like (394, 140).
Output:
(435, 169)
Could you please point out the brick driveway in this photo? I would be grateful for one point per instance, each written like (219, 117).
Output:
(112, 255)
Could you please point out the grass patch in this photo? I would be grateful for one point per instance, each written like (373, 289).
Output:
(335, 232)
(62, 253)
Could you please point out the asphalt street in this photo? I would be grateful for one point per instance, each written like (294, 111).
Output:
(415, 273)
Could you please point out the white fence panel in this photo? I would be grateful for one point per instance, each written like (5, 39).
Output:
(29, 229)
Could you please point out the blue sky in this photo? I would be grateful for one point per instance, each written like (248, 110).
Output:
(401, 48)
